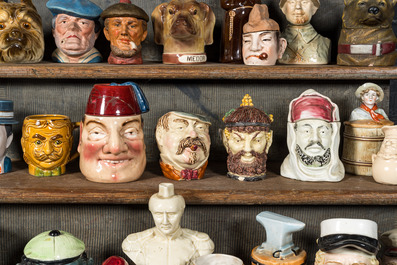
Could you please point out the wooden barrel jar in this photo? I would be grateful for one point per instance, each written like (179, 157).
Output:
(361, 139)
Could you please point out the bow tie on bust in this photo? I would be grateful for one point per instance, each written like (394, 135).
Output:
(189, 174)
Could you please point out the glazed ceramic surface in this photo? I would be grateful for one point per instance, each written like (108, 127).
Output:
(247, 139)
(21, 33)
(184, 143)
(112, 147)
(115, 260)
(217, 259)
(184, 27)
(236, 16)
(389, 241)
(344, 256)
(125, 28)
(305, 45)
(384, 163)
(278, 247)
(367, 37)
(55, 247)
(75, 30)
(262, 44)
(313, 139)
(167, 243)
(6, 135)
(46, 143)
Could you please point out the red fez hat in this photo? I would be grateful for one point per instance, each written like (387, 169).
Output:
(313, 105)
(110, 100)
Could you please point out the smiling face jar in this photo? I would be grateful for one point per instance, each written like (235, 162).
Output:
(112, 148)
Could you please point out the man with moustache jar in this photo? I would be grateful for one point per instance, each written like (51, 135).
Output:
(126, 29)
(247, 138)
(313, 139)
(305, 45)
(184, 143)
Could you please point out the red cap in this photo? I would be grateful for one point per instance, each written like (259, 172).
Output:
(107, 100)
(313, 105)
(115, 260)
(125, 1)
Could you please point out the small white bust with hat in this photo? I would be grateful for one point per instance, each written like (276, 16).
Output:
(369, 94)
(262, 44)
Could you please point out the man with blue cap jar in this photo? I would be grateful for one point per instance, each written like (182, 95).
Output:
(75, 28)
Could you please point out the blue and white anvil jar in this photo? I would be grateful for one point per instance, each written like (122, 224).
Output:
(55, 247)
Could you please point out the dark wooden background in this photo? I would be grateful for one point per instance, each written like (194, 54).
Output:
(233, 228)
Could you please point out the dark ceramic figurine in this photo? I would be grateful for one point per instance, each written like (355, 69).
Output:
(75, 27)
(21, 33)
(112, 147)
(184, 27)
(126, 29)
(6, 135)
(367, 37)
(278, 249)
(236, 15)
(55, 247)
(247, 139)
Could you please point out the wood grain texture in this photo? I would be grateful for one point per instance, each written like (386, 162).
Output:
(47, 70)
(214, 189)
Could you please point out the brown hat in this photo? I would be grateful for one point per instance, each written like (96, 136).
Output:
(315, 2)
(259, 20)
(124, 9)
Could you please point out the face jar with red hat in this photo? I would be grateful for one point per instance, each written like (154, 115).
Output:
(111, 146)
(313, 139)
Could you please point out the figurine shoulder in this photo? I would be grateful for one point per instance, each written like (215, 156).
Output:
(136, 239)
(202, 241)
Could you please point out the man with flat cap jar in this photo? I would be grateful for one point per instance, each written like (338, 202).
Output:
(126, 29)
(313, 139)
(305, 45)
(112, 147)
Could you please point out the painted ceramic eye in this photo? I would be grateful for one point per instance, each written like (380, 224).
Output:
(26, 25)
(38, 142)
(2, 26)
(171, 11)
(58, 142)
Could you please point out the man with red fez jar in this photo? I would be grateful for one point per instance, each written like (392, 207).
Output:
(112, 148)
(313, 139)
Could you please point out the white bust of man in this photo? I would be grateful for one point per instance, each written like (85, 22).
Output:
(313, 139)
(167, 243)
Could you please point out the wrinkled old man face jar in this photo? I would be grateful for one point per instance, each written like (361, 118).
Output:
(126, 29)
(55, 247)
(21, 33)
(247, 139)
(75, 28)
(112, 148)
(278, 247)
(184, 27)
(184, 143)
(46, 143)
(167, 243)
(305, 45)
(262, 44)
(313, 139)
(347, 242)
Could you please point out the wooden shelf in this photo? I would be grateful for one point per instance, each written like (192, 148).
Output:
(204, 71)
(215, 189)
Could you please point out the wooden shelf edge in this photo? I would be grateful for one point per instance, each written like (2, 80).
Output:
(18, 187)
(151, 70)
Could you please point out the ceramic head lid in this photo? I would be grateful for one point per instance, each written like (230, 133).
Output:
(259, 20)
(279, 230)
(315, 2)
(77, 8)
(371, 86)
(125, 99)
(313, 105)
(125, 9)
(53, 246)
(345, 232)
(7, 112)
